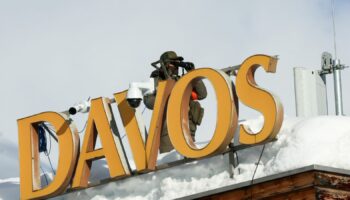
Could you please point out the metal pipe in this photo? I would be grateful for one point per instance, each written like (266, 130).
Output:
(324, 79)
(337, 88)
(231, 70)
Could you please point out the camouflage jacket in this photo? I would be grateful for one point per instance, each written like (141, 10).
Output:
(198, 87)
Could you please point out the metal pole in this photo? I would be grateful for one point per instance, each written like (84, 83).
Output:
(324, 79)
(337, 88)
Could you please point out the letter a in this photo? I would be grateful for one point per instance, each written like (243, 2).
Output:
(99, 122)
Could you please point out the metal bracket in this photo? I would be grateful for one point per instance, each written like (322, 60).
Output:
(232, 70)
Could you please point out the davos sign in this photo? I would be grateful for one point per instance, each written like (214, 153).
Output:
(172, 100)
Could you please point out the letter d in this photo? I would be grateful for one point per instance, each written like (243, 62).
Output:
(30, 186)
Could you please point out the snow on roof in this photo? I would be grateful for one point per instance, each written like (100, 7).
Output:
(323, 140)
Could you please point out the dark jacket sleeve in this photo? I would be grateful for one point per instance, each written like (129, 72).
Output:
(149, 100)
(200, 89)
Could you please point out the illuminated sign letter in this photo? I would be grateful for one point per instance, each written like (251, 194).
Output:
(68, 142)
(260, 99)
(100, 122)
(132, 129)
(145, 156)
(177, 116)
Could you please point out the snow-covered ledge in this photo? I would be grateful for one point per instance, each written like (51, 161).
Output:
(323, 140)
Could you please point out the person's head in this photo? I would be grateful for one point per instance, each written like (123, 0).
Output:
(169, 59)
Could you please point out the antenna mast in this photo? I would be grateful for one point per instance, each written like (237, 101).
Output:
(336, 72)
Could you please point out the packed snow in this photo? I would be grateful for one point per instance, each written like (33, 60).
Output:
(323, 140)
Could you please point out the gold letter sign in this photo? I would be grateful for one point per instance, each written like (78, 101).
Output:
(172, 102)
(99, 123)
(259, 99)
(68, 141)
(177, 117)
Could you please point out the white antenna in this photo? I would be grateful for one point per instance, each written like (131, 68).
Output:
(334, 32)
(310, 93)
(336, 72)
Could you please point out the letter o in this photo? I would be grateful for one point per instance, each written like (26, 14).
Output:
(177, 114)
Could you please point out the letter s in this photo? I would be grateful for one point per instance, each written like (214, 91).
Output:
(259, 99)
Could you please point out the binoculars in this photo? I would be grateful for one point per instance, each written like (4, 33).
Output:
(186, 65)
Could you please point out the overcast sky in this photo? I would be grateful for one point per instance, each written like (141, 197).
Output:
(56, 53)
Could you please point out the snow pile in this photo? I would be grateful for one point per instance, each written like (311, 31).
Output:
(165, 184)
(8, 154)
(9, 188)
(323, 140)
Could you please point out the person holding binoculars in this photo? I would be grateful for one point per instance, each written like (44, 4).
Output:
(169, 69)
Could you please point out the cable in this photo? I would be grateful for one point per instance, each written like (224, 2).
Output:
(83, 128)
(257, 165)
(49, 126)
(256, 168)
(47, 182)
(48, 157)
(47, 153)
(237, 160)
(50, 131)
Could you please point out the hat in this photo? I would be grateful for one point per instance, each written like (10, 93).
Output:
(169, 56)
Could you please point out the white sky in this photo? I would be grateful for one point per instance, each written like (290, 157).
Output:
(56, 53)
